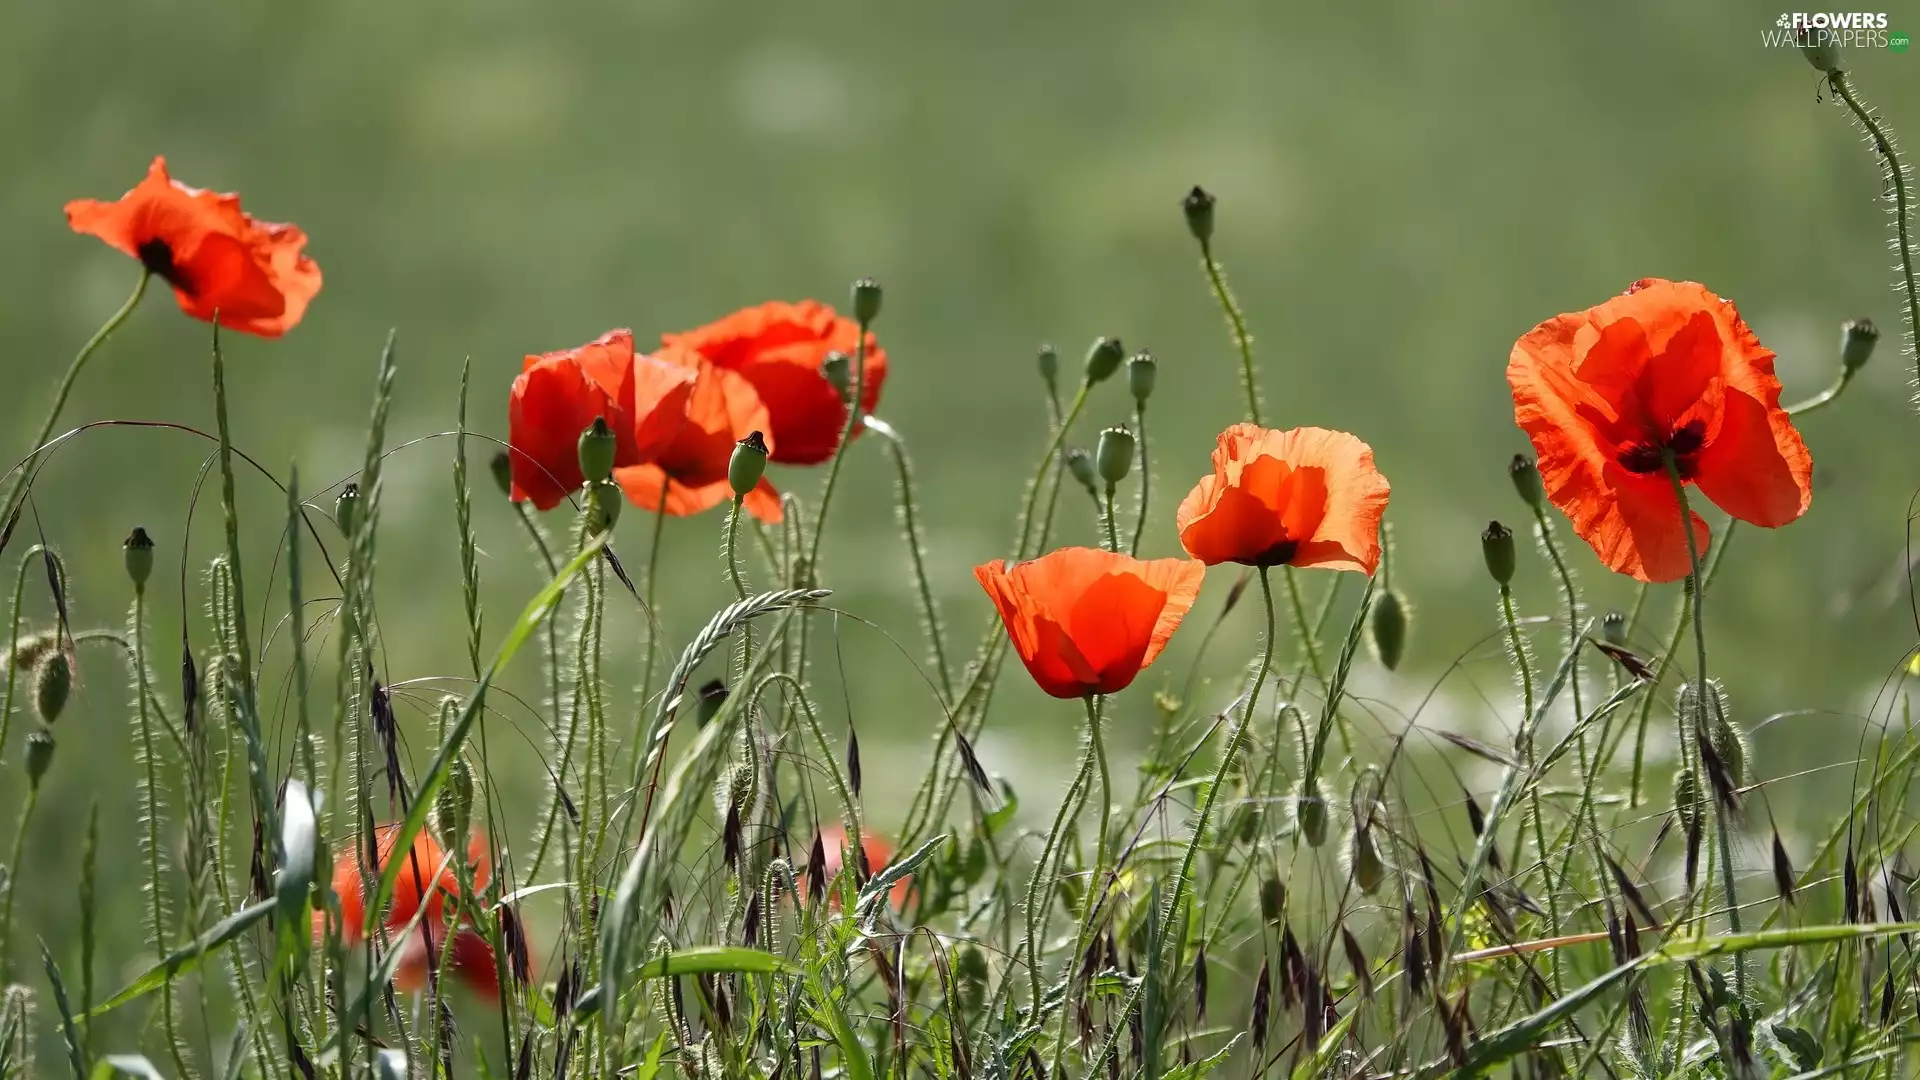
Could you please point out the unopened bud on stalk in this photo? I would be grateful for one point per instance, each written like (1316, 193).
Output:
(453, 806)
(1364, 857)
(748, 464)
(1142, 373)
(1686, 799)
(1113, 455)
(1388, 628)
(1729, 742)
(502, 466)
(52, 682)
(1310, 814)
(1049, 363)
(1103, 359)
(138, 549)
(1614, 627)
(1821, 49)
(1526, 480)
(1080, 464)
(346, 508)
(39, 755)
(603, 506)
(1497, 545)
(1198, 206)
(971, 973)
(1857, 339)
(837, 369)
(866, 300)
(713, 694)
(597, 449)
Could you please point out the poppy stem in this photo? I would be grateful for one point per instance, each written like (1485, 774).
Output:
(1097, 874)
(1140, 434)
(856, 405)
(1036, 908)
(13, 878)
(1107, 517)
(23, 474)
(1701, 690)
(1237, 323)
(1308, 639)
(1902, 212)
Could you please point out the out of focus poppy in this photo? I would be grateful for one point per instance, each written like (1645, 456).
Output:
(1087, 621)
(1665, 372)
(779, 348)
(879, 853)
(427, 877)
(559, 394)
(690, 470)
(471, 962)
(254, 274)
(1306, 497)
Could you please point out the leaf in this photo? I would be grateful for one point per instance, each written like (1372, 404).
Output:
(1479, 749)
(715, 960)
(894, 873)
(1199, 1069)
(1801, 1044)
(189, 956)
(75, 1055)
(999, 817)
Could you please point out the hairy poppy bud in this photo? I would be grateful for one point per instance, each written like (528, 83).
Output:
(52, 682)
(748, 464)
(453, 805)
(713, 694)
(502, 465)
(139, 554)
(346, 508)
(1729, 742)
(1364, 859)
(1142, 372)
(837, 368)
(39, 755)
(1113, 455)
(1310, 814)
(1686, 799)
(1103, 359)
(1857, 339)
(1526, 480)
(26, 652)
(1821, 49)
(1497, 545)
(1080, 464)
(1388, 628)
(1198, 206)
(1614, 627)
(866, 300)
(603, 506)
(597, 449)
(1049, 365)
(1273, 899)
(971, 973)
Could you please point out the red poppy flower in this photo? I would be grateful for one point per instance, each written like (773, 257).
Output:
(471, 962)
(1086, 621)
(1666, 369)
(779, 348)
(427, 876)
(254, 274)
(1306, 497)
(559, 394)
(722, 409)
(833, 841)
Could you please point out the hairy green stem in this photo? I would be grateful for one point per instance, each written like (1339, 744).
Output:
(1897, 176)
(1097, 873)
(1146, 475)
(855, 408)
(1237, 323)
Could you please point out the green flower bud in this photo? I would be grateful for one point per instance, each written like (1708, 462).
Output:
(502, 465)
(1142, 371)
(971, 973)
(346, 508)
(1103, 359)
(1080, 464)
(453, 806)
(1310, 814)
(1857, 339)
(1388, 627)
(748, 464)
(1049, 365)
(52, 682)
(1821, 49)
(1363, 860)
(603, 506)
(713, 694)
(1273, 900)
(139, 554)
(28, 651)
(866, 301)
(39, 755)
(597, 446)
(1729, 742)
(1686, 799)
(1614, 628)
(1497, 545)
(837, 369)
(1198, 206)
(1526, 480)
(1113, 455)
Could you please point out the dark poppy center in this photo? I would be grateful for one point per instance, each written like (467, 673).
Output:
(157, 256)
(1685, 443)
(1278, 555)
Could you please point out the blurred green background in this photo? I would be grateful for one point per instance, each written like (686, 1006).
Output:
(1403, 191)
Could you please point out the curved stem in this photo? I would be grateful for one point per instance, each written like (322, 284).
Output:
(855, 408)
(1146, 473)
(1533, 767)
(13, 879)
(1238, 324)
(740, 583)
(1097, 874)
(1309, 639)
(1041, 875)
(1896, 174)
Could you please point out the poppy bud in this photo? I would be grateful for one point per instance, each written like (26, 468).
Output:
(1141, 374)
(1526, 480)
(603, 506)
(1273, 900)
(1497, 545)
(971, 973)
(597, 448)
(453, 806)
(39, 755)
(837, 368)
(346, 508)
(1857, 339)
(1310, 815)
(139, 553)
(1389, 628)
(1198, 206)
(1364, 860)
(1113, 455)
(52, 682)
(748, 464)
(866, 300)
(502, 465)
(712, 695)
(1080, 464)
(1103, 359)
(1729, 742)
(1614, 628)
(1821, 50)
(1686, 799)
(1049, 365)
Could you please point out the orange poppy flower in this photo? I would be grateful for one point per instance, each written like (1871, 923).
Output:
(411, 888)
(254, 274)
(1306, 497)
(1086, 621)
(833, 841)
(557, 395)
(1665, 369)
(779, 348)
(691, 467)
(471, 963)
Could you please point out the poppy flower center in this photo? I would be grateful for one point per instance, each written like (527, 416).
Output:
(1684, 443)
(1279, 554)
(157, 256)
